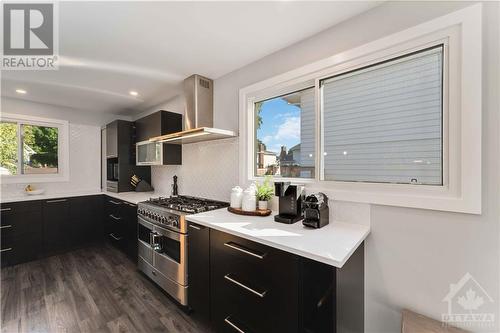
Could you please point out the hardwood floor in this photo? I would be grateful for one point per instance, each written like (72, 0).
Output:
(95, 289)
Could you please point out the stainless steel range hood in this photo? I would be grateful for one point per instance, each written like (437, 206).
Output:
(198, 116)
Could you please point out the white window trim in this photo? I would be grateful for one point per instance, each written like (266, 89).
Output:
(62, 150)
(460, 31)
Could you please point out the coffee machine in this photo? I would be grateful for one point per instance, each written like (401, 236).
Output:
(316, 210)
(290, 202)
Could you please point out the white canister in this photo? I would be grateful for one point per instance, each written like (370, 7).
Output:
(249, 202)
(236, 197)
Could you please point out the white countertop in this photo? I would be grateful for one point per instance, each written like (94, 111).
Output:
(332, 244)
(132, 197)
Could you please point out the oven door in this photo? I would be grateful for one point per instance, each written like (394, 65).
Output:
(144, 233)
(170, 254)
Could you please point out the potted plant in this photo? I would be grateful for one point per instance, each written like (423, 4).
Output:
(264, 193)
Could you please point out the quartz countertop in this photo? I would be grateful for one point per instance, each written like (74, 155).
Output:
(333, 244)
(132, 197)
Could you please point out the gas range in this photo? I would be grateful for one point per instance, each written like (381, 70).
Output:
(170, 212)
(162, 240)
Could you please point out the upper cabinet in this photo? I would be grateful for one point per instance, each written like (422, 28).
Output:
(156, 153)
(112, 139)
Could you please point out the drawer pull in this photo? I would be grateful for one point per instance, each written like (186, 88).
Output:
(233, 325)
(58, 200)
(113, 202)
(114, 217)
(237, 247)
(5, 209)
(114, 237)
(6, 250)
(239, 284)
(194, 227)
(6, 226)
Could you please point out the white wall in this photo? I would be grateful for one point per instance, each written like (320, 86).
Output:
(411, 255)
(84, 147)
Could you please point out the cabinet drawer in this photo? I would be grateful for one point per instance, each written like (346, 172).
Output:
(19, 250)
(21, 217)
(256, 286)
(113, 207)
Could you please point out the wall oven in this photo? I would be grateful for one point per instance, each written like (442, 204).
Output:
(163, 257)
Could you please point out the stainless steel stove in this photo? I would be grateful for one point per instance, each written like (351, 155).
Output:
(162, 240)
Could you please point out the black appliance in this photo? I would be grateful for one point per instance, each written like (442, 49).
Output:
(162, 240)
(316, 210)
(290, 202)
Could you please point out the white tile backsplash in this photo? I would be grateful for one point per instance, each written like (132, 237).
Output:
(209, 169)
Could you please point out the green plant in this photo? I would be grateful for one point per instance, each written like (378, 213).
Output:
(265, 190)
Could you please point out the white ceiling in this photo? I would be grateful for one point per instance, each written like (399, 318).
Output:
(109, 48)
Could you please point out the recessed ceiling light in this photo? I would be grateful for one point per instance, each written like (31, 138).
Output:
(133, 93)
(21, 91)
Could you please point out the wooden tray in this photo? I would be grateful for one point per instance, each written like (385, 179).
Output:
(239, 211)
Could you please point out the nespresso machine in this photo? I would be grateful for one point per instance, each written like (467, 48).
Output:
(290, 202)
(316, 210)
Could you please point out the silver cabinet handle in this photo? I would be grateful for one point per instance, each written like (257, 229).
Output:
(114, 237)
(58, 200)
(237, 247)
(238, 283)
(113, 202)
(230, 323)
(6, 226)
(5, 209)
(6, 250)
(194, 227)
(114, 217)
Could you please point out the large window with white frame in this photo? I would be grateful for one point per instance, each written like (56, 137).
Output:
(32, 149)
(396, 121)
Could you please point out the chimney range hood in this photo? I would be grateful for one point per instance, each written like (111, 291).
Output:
(198, 116)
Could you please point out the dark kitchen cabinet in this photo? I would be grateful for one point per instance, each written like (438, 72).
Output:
(120, 226)
(120, 157)
(85, 220)
(199, 271)
(56, 226)
(156, 124)
(161, 123)
(255, 287)
(21, 232)
(112, 139)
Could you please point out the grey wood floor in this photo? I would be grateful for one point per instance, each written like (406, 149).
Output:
(96, 289)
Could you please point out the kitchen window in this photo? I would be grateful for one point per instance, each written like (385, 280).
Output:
(31, 149)
(396, 121)
(383, 123)
(285, 135)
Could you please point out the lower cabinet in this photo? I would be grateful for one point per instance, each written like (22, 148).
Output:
(21, 232)
(85, 220)
(255, 287)
(244, 286)
(199, 271)
(120, 226)
(56, 226)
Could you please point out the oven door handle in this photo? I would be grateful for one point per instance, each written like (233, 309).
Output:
(145, 223)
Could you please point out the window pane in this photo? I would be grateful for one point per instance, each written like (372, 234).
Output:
(39, 149)
(8, 148)
(285, 135)
(384, 123)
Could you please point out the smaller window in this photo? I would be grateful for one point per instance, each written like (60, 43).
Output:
(28, 149)
(285, 135)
